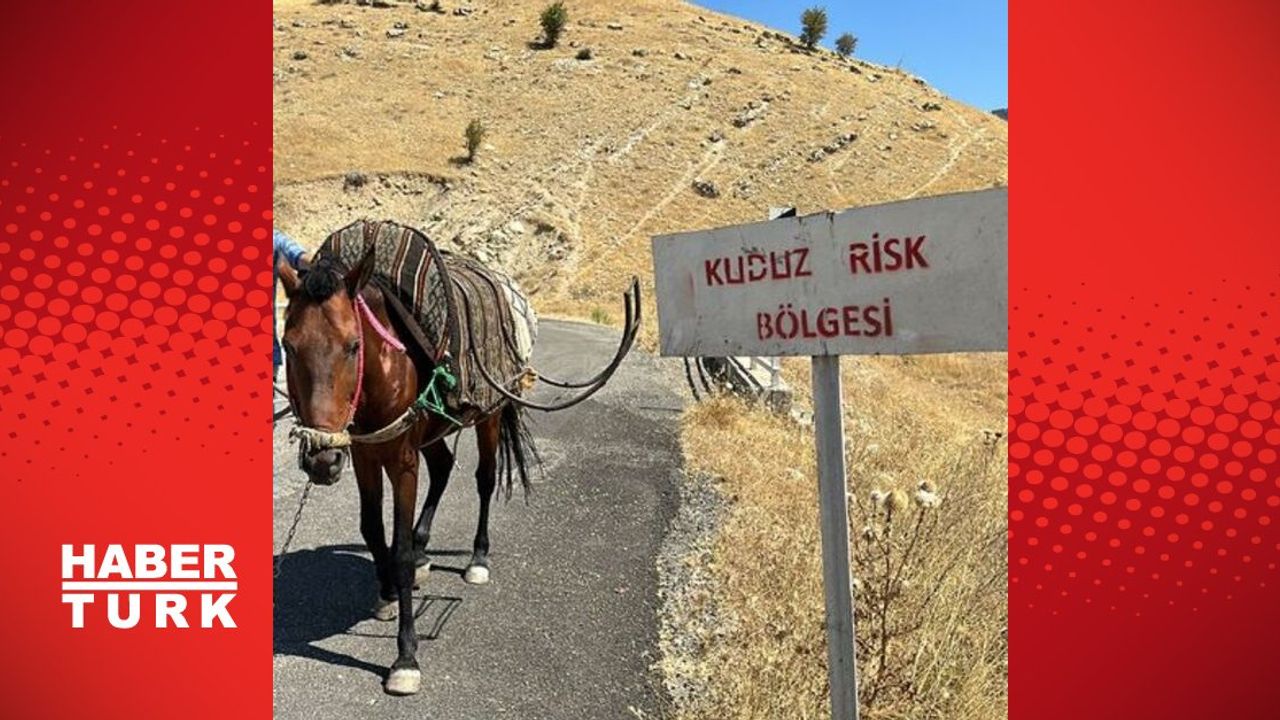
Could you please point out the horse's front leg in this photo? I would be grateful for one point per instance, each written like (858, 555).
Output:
(369, 482)
(405, 677)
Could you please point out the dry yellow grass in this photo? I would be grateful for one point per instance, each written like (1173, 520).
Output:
(930, 591)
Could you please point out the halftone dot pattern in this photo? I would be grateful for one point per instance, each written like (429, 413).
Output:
(135, 274)
(1143, 457)
(135, 296)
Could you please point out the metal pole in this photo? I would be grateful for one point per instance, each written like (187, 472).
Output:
(834, 513)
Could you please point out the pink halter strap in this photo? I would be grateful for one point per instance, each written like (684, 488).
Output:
(355, 399)
(362, 309)
(378, 327)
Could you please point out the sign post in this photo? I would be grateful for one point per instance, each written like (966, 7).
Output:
(918, 276)
(833, 505)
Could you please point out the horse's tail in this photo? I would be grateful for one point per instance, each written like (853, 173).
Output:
(517, 454)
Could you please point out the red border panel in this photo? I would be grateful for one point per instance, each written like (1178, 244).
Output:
(135, 209)
(1144, 390)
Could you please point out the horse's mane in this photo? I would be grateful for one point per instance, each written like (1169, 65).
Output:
(323, 279)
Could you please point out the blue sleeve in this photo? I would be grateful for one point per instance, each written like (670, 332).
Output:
(284, 245)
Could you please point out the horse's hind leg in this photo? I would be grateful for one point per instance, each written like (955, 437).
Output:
(439, 466)
(487, 433)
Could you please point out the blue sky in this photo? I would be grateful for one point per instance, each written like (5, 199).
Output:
(959, 46)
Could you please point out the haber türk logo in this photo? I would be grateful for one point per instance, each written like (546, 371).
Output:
(162, 586)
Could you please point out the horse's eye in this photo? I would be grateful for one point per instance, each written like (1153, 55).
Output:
(353, 347)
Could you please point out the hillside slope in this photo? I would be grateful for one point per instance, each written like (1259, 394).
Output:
(584, 160)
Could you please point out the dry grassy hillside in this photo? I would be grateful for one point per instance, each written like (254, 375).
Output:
(586, 159)
(583, 162)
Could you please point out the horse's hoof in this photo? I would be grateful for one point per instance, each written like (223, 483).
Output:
(405, 681)
(476, 575)
(420, 575)
(385, 610)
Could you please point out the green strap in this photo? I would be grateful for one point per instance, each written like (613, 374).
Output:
(432, 400)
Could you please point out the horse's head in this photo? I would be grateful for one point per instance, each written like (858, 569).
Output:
(323, 344)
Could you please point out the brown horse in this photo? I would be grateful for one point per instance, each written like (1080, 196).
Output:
(348, 373)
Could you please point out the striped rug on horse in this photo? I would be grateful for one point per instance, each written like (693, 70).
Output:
(497, 329)
(463, 312)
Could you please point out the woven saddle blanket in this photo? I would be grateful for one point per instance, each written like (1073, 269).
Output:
(463, 312)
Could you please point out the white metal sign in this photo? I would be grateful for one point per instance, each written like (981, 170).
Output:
(917, 276)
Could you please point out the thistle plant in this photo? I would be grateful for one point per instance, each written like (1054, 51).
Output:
(915, 544)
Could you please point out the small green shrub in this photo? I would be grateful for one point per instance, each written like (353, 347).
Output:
(601, 317)
(813, 24)
(845, 45)
(553, 19)
(474, 135)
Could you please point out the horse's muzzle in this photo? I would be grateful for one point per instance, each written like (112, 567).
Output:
(324, 467)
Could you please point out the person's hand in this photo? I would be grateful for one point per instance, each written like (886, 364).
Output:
(304, 261)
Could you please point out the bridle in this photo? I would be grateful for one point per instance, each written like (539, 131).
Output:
(313, 439)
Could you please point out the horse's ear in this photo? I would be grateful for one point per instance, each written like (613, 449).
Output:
(289, 279)
(360, 275)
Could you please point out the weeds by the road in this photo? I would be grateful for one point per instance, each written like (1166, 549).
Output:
(600, 316)
(929, 561)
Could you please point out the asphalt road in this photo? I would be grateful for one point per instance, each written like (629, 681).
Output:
(567, 626)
